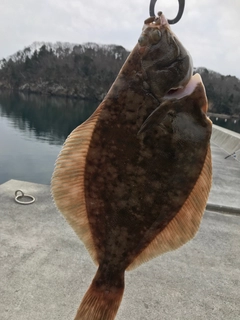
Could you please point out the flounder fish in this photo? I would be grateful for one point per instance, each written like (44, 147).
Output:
(133, 180)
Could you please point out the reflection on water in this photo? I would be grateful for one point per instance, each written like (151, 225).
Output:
(32, 131)
(48, 118)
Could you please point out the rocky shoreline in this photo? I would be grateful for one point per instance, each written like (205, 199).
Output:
(54, 89)
(81, 92)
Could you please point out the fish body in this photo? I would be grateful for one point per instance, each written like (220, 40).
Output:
(133, 180)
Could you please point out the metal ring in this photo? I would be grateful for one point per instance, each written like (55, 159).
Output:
(172, 21)
(21, 195)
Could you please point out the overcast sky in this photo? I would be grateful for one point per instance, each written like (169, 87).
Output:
(209, 29)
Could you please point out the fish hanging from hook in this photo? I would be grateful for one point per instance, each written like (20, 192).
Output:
(133, 180)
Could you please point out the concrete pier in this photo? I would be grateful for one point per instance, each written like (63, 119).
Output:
(45, 270)
(227, 140)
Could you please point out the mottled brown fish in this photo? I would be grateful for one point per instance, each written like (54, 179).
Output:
(133, 180)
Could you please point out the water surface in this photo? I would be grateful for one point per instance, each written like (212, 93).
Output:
(32, 131)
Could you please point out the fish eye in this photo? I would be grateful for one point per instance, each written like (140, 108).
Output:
(156, 35)
(143, 41)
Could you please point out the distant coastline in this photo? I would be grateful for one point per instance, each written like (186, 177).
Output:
(52, 89)
(87, 72)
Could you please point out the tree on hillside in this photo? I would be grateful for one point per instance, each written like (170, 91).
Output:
(88, 70)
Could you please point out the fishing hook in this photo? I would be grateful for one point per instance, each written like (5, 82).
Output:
(172, 21)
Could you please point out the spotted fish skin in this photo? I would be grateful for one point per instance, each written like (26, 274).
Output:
(137, 178)
(134, 179)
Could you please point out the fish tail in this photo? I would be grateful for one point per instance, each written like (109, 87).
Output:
(103, 298)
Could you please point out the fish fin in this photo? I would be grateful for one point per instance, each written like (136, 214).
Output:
(154, 118)
(101, 302)
(185, 224)
(67, 183)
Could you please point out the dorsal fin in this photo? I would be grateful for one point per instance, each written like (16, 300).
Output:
(68, 181)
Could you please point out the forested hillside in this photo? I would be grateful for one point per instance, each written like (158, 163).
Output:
(87, 72)
(82, 71)
(223, 92)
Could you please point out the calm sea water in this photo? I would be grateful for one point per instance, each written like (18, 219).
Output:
(33, 129)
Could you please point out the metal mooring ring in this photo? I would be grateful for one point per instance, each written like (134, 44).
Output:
(23, 195)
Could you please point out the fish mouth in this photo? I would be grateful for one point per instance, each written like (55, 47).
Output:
(188, 89)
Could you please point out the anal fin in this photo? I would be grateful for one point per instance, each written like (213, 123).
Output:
(185, 224)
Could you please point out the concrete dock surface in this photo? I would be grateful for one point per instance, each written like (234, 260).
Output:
(45, 269)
